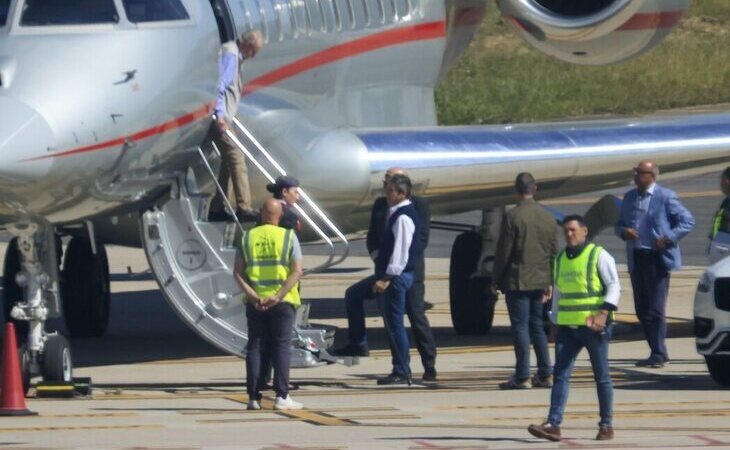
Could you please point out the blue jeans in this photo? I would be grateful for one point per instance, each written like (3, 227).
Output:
(569, 343)
(393, 306)
(525, 316)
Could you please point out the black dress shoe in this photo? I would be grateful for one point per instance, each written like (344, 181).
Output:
(427, 305)
(653, 363)
(429, 375)
(219, 216)
(351, 350)
(394, 379)
(247, 215)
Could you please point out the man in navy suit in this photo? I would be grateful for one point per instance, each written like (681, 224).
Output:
(652, 222)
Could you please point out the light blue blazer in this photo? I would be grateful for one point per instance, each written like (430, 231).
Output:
(668, 218)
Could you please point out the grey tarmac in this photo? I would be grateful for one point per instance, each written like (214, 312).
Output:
(158, 386)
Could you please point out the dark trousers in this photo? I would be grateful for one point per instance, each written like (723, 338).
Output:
(525, 316)
(650, 283)
(355, 297)
(275, 325)
(393, 307)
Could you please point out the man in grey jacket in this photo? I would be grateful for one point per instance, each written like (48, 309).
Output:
(523, 271)
(233, 175)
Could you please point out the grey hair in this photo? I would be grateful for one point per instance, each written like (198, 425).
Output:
(401, 183)
(252, 38)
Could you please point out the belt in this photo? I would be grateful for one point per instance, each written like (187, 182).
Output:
(644, 251)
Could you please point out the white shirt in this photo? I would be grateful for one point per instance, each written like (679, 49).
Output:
(403, 230)
(609, 276)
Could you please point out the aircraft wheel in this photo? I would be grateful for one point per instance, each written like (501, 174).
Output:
(57, 365)
(719, 367)
(85, 289)
(12, 292)
(472, 303)
(24, 368)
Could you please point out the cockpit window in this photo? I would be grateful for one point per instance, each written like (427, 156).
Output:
(4, 7)
(68, 12)
(154, 10)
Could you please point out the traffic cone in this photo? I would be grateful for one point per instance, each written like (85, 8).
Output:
(12, 399)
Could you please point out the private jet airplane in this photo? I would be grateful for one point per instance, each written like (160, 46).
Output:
(105, 105)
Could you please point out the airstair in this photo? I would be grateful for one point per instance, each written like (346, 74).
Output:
(193, 258)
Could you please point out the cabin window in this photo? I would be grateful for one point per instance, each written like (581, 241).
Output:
(314, 15)
(68, 12)
(154, 10)
(4, 7)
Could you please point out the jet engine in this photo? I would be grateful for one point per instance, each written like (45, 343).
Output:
(593, 32)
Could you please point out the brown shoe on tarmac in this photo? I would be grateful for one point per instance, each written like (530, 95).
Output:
(605, 433)
(545, 431)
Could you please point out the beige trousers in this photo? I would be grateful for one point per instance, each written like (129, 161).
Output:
(233, 175)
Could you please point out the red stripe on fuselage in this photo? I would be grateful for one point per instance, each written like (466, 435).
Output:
(651, 21)
(144, 134)
(431, 30)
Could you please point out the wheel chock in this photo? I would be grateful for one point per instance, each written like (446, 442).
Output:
(55, 389)
(62, 389)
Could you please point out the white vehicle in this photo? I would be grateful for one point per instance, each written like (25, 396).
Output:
(712, 320)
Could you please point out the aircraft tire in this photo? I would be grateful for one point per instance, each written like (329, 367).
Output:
(472, 304)
(24, 368)
(719, 368)
(12, 293)
(57, 364)
(85, 289)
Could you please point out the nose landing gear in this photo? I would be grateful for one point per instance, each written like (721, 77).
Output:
(33, 298)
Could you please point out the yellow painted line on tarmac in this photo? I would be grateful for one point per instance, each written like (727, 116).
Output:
(90, 415)
(635, 414)
(315, 417)
(78, 427)
(577, 404)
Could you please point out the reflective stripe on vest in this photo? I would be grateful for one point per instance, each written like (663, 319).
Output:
(716, 224)
(581, 290)
(267, 252)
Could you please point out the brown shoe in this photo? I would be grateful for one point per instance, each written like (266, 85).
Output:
(514, 383)
(538, 382)
(605, 433)
(545, 431)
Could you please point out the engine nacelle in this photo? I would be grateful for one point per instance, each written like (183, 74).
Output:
(593, 32)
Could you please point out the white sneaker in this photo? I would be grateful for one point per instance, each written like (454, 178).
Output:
(287, 403)
(253, 405)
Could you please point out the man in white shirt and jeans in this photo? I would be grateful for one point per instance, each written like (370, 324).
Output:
(394, 265)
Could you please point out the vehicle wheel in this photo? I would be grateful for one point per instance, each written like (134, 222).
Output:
(12, 293)
(85, 289)
(472, 303)
(57, 364)
(719, 367)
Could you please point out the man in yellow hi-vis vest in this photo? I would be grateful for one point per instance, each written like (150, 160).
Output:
(721, 222)
(585, 295)
(268, 268)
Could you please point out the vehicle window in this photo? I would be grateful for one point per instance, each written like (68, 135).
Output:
(4, 7)
(154, 10)
(68, 12)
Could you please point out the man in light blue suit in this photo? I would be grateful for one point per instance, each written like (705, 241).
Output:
(652, 222)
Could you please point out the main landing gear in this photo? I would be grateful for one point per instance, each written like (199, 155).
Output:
(471, 299)
(31, 296)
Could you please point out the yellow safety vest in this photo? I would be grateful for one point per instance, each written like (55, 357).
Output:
(581, 290)
(267, 252)
(716, 223)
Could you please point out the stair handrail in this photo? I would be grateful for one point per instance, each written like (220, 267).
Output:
(329, 262)
(302, 192)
